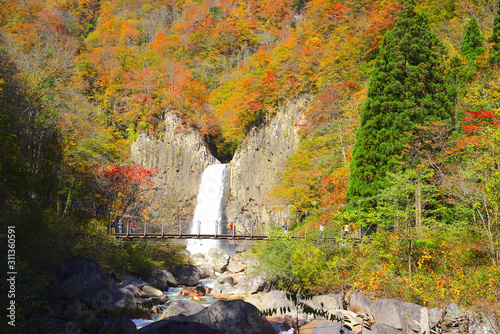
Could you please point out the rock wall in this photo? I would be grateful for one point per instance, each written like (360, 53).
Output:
(256, 168)
(181, 158)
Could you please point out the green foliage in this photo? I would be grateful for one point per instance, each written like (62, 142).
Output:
(407, 88)
(472, 45)
(494, 51)
(143, 258)
(275, 259)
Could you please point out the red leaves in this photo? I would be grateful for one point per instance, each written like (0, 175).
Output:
(475, 121)
(121, 176)
(473, 127)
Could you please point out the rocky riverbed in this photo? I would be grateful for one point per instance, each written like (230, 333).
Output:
(101, 303)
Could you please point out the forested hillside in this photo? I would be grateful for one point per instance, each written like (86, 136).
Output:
(80, 79)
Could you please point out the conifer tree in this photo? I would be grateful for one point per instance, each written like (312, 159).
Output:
(494, 53)
(472, 45)
(407, 87)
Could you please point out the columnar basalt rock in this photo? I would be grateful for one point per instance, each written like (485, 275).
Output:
(256, 168)
(181, 158)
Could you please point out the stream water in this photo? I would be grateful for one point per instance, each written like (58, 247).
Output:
(173, 294)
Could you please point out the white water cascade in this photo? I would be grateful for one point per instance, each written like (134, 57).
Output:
(209, 210)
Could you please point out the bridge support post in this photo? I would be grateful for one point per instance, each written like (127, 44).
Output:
(162, 230)
(216, 228)
(199, 226)
(234, 229)
(145, 229)
(251, 230)
(180, 228)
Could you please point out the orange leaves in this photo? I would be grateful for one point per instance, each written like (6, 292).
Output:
(474, 125)
(382, 18)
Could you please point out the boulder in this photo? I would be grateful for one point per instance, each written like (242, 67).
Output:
(234, 316)
(253, 284)
(119, 325)
(276, 300)
(347, 317)
(206, 270)
(177, 326)
(222, 317)
(379, 328)
(162, 279)
(325, 327)
(152, 291)
(82, 278)
(416, 318)
(389, 312)
(197, 259)
(224, 286)
(136, 291)
(435, 316)
(217, 258)
(359, 302)
(237, 264)
(187, 274)
(181, 307)
(331, 301)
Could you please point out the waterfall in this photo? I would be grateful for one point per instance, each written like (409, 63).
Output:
(209, 208)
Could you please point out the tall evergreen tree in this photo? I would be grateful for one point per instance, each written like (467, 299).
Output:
(494, 53)
(472, 45)
(407, 87)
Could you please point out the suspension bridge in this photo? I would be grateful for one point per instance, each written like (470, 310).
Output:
(181, 230)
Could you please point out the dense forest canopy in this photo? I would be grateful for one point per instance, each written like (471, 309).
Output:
(411, 129)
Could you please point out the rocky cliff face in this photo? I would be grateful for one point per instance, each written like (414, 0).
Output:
(181, 158)
(255, 168)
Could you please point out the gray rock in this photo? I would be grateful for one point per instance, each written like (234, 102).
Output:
(223, 317)
(224, 286)
(206, 270)
(161, 279)
(331, 301)
(435, 316)
(359, 303)
(187, 274)
(197, 259)
(120, 325)
(331, 327)
(237, 263)
(218, 258)
(87, 283)
(82, 278)
(416, 318)
(389, 312)
(177, 326)
(182, 307)
(380, 328)
(152, 291)
(452, 313)
(276, 300)
(253, 284)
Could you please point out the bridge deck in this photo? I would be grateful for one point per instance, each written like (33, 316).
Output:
(213, 236)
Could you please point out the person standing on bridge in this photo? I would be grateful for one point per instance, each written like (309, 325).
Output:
(120, 226)
(132, 226)
(230, 226)
(113, 226)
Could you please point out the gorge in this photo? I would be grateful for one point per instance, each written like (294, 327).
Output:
(253, 171)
